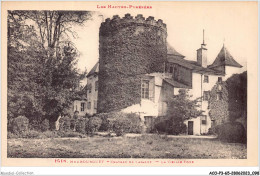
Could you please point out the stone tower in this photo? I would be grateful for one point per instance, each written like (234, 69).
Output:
(128, 48)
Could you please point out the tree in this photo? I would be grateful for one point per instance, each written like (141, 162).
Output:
(237, 96)
(42, 77)
(181, 108)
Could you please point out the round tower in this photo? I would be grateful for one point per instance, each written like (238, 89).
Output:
(128, 48)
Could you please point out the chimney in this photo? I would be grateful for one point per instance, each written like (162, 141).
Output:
(202, 54)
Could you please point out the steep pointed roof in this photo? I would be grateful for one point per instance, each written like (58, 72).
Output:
(93, 70)
(224, 58)
(172, 51)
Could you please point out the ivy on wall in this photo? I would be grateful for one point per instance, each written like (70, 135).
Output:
(234, 99)
(219, 106)
(125, 54)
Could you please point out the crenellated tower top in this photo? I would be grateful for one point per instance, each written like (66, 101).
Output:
(116, 22)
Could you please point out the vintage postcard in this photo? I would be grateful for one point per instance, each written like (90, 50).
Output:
(129, 84)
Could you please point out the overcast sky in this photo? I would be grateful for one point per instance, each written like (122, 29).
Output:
(230, 23)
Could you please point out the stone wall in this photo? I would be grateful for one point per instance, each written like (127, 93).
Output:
(128, 48)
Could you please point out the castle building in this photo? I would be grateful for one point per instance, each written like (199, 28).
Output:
(138, 71)
(92, 90)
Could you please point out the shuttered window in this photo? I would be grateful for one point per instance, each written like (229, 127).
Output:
(82, 107)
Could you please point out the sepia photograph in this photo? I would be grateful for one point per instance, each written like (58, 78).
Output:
(130, 81)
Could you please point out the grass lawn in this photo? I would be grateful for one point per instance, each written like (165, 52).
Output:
(145, 146)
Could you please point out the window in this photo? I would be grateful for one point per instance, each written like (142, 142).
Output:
(95, 104)
(204, 120)
(96, 86)
(82, 107)
(219, 96)
(171, 69)
(145, 89)
(220, 79)
(206, 95)
(206, 79)
(89, 105)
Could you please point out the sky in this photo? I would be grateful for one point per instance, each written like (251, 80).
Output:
(232, 24)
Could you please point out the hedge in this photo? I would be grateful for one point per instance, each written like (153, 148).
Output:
(231, 132)
(20, 125)
(93, 125)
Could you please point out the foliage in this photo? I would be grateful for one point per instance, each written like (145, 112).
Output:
(46, 134)
(219, 108)
(212, 131)
(93, 125)
(125, 46)
(180, 108)
(42, 77)
(81, 125)
(237, 96)
(233, 104)
(20, 125)
(105, 122)
(161, 125)
(121, 126)
(135, 123)
(231, 132)
(65, 123)
(45, 125)
(109, 119)
(69, 134)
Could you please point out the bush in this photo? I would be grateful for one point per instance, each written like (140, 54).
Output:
(73, 124)
(109, 118)
(69, 134)
(34, 125)
(45, 125)
(161, 125)
(121, 126)
(231, 132)
(80, 125)
(50, 134)
(11, 135)
(166, 125)
(20, 125)
(31, 134)
(212, 131)
(10, 124)
(93, 125)
(65, 123)
(105, 122)
(135, 125)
